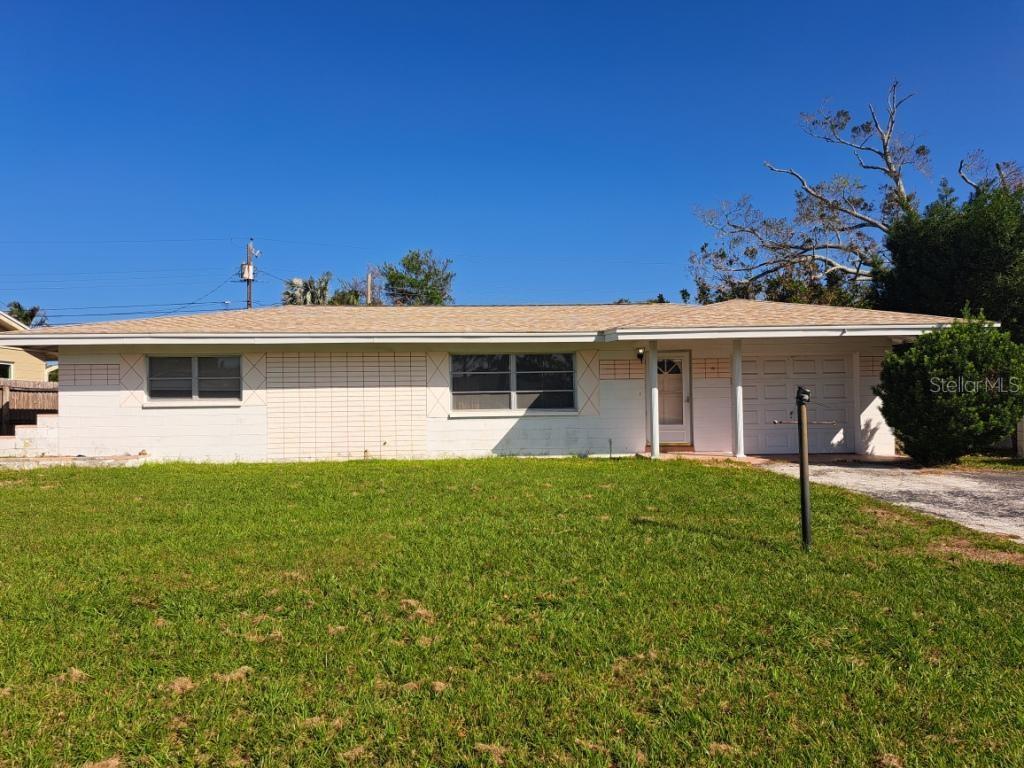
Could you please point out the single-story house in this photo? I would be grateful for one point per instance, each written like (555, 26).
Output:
(300, 383)
(17, 363)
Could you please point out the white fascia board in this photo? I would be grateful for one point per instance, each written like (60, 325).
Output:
(52, 339)
(768, 332)
(280, 339)
(10, 323)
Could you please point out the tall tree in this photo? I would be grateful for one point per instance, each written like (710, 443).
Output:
(353, 293)
(30, 316)
(827, 250)
(957, 253)
(312, 290)
(418, 279)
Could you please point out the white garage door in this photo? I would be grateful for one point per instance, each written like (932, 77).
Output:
(769, 392)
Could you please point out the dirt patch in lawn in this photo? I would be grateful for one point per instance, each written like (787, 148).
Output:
(179, 686)
(416, 612)
(968, 550)
(73, 675)
(496, 751)
(239, 675)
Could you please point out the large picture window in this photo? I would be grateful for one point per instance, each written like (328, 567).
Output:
(534, 382)
(186, 378)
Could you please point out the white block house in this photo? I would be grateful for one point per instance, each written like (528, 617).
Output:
(305, 383)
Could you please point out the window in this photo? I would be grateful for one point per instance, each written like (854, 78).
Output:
(669, 366)
(195, 377)
(512, 382)
(6, 370)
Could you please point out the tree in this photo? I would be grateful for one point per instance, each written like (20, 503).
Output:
(30, 316)
(312, 290)
(954, 391)
(955, 254)
(353, 293)
(827, 250)
(418, 279)
(659, 299)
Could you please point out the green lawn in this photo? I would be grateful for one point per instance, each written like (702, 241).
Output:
(1000, 462)
(516, 612)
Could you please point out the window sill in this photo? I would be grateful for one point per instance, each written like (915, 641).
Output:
(169, 403)
(512, 414)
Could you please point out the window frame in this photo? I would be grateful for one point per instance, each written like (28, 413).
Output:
(514, 408)
(194, 397)
(10, 370)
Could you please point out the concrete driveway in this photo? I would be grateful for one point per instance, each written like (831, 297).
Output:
(986, 501)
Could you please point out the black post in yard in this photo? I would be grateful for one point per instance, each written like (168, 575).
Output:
(803, 396)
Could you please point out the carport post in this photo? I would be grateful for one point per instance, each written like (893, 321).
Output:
(737, 398)
(653, 430)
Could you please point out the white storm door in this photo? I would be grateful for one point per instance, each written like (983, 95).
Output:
(674, 397)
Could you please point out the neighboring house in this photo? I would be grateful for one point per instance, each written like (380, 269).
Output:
(17, 363)
(289, 383)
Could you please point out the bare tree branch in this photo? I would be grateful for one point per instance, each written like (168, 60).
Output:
(835, 237)
(845, 207)
(963, 175)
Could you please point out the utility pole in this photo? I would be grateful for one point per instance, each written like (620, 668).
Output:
(249, 271)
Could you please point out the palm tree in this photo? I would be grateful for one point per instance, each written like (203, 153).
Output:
(28, 315)
(313, 290)
(353, 293)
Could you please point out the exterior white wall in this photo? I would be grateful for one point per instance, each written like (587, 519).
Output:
(346, 402)
(610, 400)
(876, 438)
(103, 411)
(346, 405)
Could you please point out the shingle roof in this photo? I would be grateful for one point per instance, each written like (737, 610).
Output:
(573, 318)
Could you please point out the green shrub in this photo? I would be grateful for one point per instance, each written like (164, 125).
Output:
(954, 391)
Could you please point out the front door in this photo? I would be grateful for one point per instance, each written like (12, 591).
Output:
(674, 398)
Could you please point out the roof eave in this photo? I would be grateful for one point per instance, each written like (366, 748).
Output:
(11, 323)
(50, 339)
(772, 332)
(29, 340)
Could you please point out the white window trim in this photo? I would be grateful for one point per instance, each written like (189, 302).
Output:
(11, 364)
(499, 413)
(195, 401)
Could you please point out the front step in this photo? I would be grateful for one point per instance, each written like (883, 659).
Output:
(670, 448)
(30, 440)
(9, 447)
(676, 448)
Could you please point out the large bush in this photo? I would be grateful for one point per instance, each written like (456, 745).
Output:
(954, 391)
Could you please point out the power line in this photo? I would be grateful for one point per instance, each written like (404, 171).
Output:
(198, 311)
(123, 306)
(135, 313)
(121, 242)
(205, 295)
(49, 273)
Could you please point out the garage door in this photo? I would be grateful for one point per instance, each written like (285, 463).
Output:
(769, 390)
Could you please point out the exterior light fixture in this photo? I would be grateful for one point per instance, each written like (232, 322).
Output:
(640, 354)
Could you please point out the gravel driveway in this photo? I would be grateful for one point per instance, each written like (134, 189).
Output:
(985, 501)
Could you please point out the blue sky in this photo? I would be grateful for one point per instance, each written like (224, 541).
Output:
(554, 151)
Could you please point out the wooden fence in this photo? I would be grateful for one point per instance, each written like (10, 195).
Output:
(22, 401)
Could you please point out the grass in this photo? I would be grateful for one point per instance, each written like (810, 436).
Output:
(516, 612)
(1000, 462)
